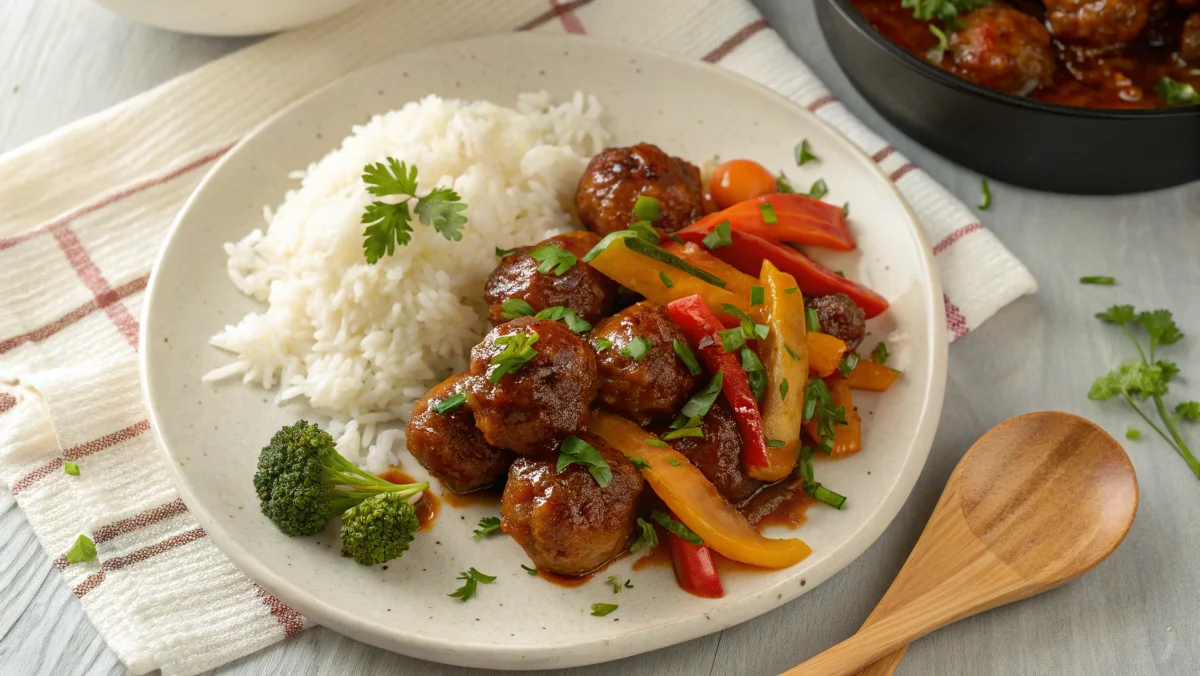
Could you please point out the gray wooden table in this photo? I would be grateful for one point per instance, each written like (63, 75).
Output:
(1135, 614)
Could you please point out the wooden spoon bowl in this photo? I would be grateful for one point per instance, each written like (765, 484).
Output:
(1039, 500)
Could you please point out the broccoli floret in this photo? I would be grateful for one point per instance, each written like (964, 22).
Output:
(302, 481)
(378, 529)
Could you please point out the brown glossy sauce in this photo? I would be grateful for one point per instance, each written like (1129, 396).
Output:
(570, 581)
(660, 556)
(485, 497)
(1123, 77)
(427, 507)
(781, 504)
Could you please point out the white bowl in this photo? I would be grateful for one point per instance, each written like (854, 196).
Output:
(227, 17)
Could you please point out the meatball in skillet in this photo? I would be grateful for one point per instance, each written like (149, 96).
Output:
(1002, 48)
(718, 455)
(840, 317)
(1097, 23)
(1189, 40)
(564, 520)
(529, 409)
(589, 294)
(644, 381)
(616, 177)
(449, 445)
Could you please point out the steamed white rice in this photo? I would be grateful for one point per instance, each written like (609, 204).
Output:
(360, 343)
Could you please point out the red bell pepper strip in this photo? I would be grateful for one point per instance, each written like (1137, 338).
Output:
(695, 570)
(748, 252)
(798, 218)
(702, 328)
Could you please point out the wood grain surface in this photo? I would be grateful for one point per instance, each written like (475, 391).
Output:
(1135, 614)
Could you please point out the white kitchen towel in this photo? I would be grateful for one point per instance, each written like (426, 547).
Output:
(83, 213)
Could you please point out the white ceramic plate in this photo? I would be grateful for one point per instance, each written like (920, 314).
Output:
(211, 434)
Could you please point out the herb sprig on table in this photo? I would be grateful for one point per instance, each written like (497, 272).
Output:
(1147, 378)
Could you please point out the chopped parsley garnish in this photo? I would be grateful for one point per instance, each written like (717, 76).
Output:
(776, 443)
(83, 550)
(1133, 434)
(602, 609)
(794, 289)
(783, 390)
(71, 468)
(750, 329)
(1148, 378)
(768, 213)
(732, 339)
(757, 295)
(662, 276)
(685, 427)
(935, 54)
(647, 536)
(487, 524)
(645, 230)
(880, 353)
(516, 307)
(674, 463)
(818, 189)
(685, 354)
(719, 237)
(501, 253)
(811, 320)
(639, 462)
(531, 571)
(783, 185)
(473, 578)
(601, 344)
(804, 154)
(450, 404)
(676, 528)
(1176, 93)
(616, 584)
(755, 372)
(389, 225)
(637, 348)
(518, 349)
(657, 443)
(628, 584)
(1098, 280)
(700, 403)
(577, 451)
(987, 195)
(646, 208)
(552, 258)
(818, 404)
(567, 316)
(791, 351)
(846, 366)
(676, 238)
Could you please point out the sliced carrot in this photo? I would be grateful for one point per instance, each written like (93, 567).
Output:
(824, 353)
(848, 439)
(873, 376)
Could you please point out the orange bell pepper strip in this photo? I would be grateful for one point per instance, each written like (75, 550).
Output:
(798, 218)
(824, 353)
(644, 274)
(872, 376)
(693, 498)
(848, 437)
(785, 358)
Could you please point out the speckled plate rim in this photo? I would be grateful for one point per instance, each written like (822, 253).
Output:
(460, 650)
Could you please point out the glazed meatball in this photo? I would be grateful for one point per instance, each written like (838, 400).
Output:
(1189, 40)
(583, 289)
(449, 445)
(564, 520)
(651, 388)
(718, 455)
(1097, 23)
(616, 177)
(840, 317)
(530, 409)
(1001, 48)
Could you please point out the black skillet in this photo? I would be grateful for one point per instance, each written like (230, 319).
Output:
(1027, 143)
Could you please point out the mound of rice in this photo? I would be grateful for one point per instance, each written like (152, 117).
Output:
(359, 343)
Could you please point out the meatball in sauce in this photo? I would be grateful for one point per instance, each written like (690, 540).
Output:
(449, 445)
(840, 317)
(1097, 23)
(582, 289)
(533, 407)
(565, 521)
(649, 386)
(1002, 48)
(718, 454)
(616, 177)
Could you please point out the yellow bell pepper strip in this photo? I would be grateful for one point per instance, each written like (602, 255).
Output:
(736, 281)
(848, 439)
(693, 498)
(785, 358)
(616, 258)
(872, 376)
(824, 353)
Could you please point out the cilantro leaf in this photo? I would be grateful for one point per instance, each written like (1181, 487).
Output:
(647, 536)
(1188, 410)
(783, 185)
(676, 528)
(553, 258)
(440, 209)
(719, 237)
(395, 179)
(602, 609)
(577, 451)
(639, 462)
(390, 225)
(685, 354)
(518, 349)
(387, 227)
(1118, 314)
(637, 348)
(487, 524)
(512, 308)
(804, 154)
(473, 578)
(1161, 327)
(83, 550)
(818, 189)
(567, 316)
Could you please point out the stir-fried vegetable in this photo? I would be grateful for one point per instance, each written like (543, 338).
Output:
(739, 180)
(788, 218)
(785, 357)
(703, 330)
(825, 352)
(693, 498)
(736, 281)
(873, 376)
(695, 570)
(848, 437)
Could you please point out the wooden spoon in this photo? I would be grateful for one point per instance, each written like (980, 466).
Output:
(1037, 501)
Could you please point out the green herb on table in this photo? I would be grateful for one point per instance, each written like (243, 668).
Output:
(450, 404)
(552, 259)
(488, 524)
(71, 468)
(1176, 93)
(647, 536)
(1133, 434)
(804, 154)
(518, 349)
(676, 528)
(1147, 378)
(576, 451)
(987, 195)
(389, 225)
(83, 550)
(1098, 280)
(818, 189)
(472, 579)
(602, 609)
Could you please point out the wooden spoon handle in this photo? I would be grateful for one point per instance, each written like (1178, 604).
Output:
(886, 666)
(861, 650)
